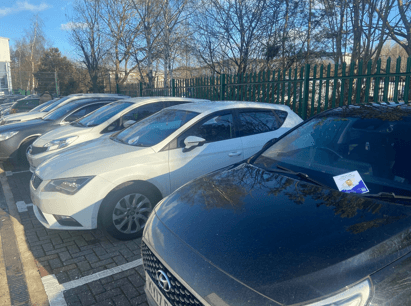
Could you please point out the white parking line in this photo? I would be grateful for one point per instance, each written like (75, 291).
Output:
(54, 290)
(22, 206)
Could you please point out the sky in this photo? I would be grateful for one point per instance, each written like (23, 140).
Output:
(16, 17)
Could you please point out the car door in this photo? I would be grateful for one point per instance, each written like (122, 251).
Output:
(257, 126)
(222, 147)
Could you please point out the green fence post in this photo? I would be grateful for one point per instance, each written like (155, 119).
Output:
(350, 82)
(407, 80)
(140, 89)
(313, 91)
(397, 78)
(359, 82)
(320, 89)
(342, 92)
(377, 82)
(117, 88)
(386, 80)
(303, 111)
(367, 82)
(173, 87)
(222, 87)
(334, 94)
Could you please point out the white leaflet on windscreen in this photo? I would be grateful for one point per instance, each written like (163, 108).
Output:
(350, 182)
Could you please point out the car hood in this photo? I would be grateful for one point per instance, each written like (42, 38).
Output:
(25, 116)
(61, 132)
(289, 240)
(19, 126)
(92, 157)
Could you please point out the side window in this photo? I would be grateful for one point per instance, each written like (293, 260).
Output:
(256, 122)
(282, 115)
(114, 126)
(144, 111)
(172, 103)
(83, 111)
(212, 129)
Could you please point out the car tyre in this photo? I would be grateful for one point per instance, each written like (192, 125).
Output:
(125, 211)
(21, 153)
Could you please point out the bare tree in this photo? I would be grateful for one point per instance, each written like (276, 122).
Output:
(145, 52)
(122, 29)
(230, 33)
(87, 36)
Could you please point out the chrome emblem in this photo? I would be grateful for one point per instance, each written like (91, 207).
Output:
(163, 281)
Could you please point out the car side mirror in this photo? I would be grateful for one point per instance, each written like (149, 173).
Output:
(128, 123)
(193, 141)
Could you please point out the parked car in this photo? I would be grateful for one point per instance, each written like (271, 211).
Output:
(106, 120)
(24, 105)
(15, 138)
(320, 217)
(118, 180)
(42, 110)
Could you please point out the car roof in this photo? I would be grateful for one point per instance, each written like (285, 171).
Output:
(159, 99)
(97, 95)
(222, 105)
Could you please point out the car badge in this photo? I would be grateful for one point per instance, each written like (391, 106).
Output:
(163, 281)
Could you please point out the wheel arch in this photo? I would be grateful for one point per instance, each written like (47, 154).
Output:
(143, 184)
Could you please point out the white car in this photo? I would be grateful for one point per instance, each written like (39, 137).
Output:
(116, 181)
(106, 120)
(43, 109)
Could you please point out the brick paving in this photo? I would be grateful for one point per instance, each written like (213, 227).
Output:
(70, 255)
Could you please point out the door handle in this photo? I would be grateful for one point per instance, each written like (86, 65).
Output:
(232, 154)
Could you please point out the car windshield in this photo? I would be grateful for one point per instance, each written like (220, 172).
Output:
(102, 114)
(151, 130)
(55, 104)
(374, 141)
(61, 111)
(40, 107)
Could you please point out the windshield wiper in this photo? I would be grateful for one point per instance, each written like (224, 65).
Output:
(386, 195)
(303, 176)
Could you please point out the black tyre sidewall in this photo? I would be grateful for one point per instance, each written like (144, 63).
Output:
(110, 202)
(21, 156)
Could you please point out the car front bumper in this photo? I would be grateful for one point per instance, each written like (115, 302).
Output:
(83, 206)
(36, 159)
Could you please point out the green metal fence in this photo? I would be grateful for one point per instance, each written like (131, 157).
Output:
(307, 90)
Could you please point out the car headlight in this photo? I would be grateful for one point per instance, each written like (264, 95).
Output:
(7, 135)
(59, 143)
(356, 295)
(67, 185)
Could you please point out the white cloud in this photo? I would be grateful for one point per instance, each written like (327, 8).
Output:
(23, 6)
(72, 25)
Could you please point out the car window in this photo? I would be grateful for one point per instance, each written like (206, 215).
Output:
(282, 115)
(103, 114)
(256, 122)
(61, 111)
(154, 129)
(83, 111)
(56, 104)
(144, 111)
(215, 128)
(336, 144)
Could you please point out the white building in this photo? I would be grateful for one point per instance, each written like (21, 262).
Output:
(5, 74)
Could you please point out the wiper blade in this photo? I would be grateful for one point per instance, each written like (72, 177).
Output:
(386, 195)
(303, 176)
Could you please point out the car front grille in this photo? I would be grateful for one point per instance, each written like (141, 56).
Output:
(37, 150)
(36, 181)
(178, 294)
